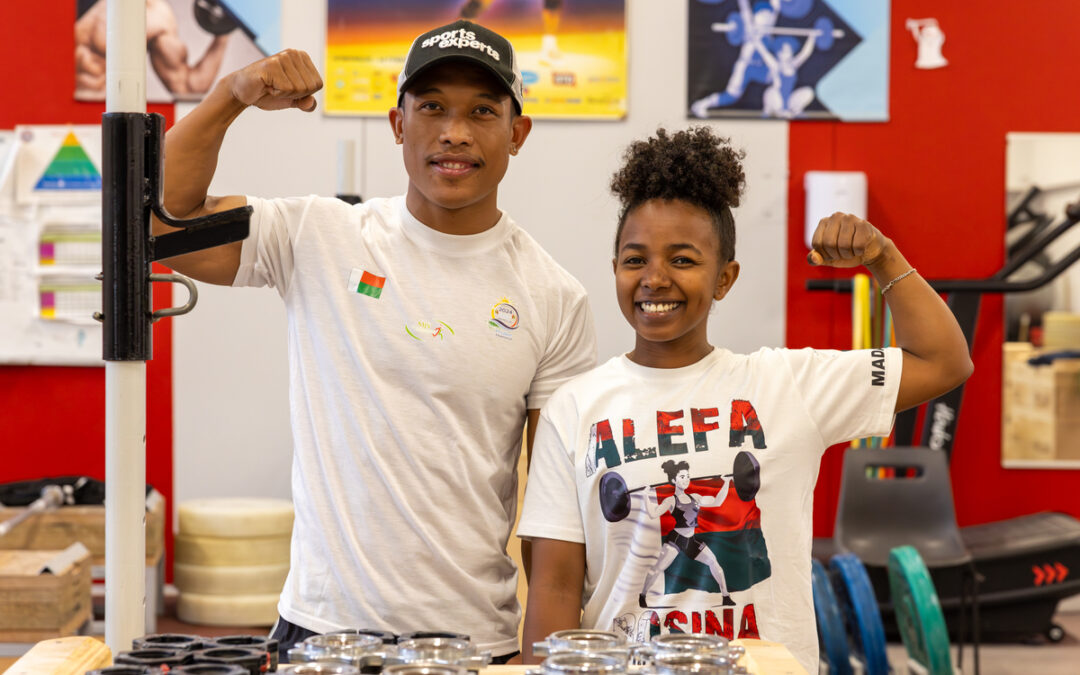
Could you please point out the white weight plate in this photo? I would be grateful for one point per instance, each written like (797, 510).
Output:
(233, 580)
(235, 517)
(218, 551)
(227, 610)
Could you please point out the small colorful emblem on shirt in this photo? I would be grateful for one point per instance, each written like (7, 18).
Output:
(504, 318)
(430, 330)
(366, 283)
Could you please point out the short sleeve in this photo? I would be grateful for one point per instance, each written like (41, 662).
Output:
(551, 509)
(570, 350)
(266, 257)
(848, 394)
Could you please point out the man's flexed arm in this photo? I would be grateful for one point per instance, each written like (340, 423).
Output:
(288, 79)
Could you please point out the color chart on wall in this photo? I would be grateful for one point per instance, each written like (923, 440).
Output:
(69, 300)
(58, 164)
(70, 169)
(50, 245)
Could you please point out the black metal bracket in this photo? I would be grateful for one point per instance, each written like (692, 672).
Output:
(132, 154)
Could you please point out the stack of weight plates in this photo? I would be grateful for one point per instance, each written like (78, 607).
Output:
(231, 559)
(918, 611)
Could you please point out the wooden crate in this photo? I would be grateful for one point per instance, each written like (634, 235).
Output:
(58, 529)
(38, 604)
(1040, 409)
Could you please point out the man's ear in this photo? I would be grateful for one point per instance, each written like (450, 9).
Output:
(522, 125)
(727, 278)
(397, 124)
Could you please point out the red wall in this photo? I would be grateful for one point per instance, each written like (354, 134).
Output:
(54, 418)
(936, 175)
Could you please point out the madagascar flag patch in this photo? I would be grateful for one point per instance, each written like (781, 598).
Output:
(361, 281)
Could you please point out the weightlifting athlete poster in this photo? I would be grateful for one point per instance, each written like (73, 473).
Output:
(572, 53)
(190, 44)
(789, 59)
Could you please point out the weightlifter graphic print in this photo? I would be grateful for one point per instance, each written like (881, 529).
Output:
(709, 542)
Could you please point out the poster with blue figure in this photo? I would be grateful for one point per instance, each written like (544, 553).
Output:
(788, 59)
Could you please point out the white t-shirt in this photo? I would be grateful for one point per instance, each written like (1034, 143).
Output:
(413, 356)
(621, 423)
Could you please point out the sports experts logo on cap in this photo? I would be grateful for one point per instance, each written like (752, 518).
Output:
(467, 41)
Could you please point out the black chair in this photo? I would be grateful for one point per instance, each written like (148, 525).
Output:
(901, 496)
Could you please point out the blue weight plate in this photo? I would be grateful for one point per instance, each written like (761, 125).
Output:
(918, 611)
(855, 595)
(830, 623)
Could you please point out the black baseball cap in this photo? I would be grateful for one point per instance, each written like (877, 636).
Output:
(467, 41)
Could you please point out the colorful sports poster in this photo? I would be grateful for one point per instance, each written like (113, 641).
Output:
(789, 59)
(190, 44)
(572, 53)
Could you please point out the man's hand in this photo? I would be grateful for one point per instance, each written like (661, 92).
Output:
(844, 240)
(287, 79)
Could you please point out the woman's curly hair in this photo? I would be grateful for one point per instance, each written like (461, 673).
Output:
(672, 468)
(695, 166)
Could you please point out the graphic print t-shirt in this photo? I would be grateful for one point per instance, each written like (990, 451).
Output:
(747, 432)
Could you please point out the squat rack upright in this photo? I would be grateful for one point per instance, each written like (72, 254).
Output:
(131, 190)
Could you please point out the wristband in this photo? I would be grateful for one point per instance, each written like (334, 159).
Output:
(891, 283)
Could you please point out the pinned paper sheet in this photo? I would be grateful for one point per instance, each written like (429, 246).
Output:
(50, 245)
(828, 192)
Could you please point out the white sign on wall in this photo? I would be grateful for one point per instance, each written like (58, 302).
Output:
(50, 245)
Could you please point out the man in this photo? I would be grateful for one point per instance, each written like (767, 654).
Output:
(168, 53)
(423, 330)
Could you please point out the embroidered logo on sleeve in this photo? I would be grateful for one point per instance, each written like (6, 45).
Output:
(366, 283)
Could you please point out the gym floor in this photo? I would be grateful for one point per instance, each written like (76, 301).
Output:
(1040, 657)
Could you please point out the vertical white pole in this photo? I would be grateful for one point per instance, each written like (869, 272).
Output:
(125, 503)
(346, 167)
(125, 382)
(125, 60)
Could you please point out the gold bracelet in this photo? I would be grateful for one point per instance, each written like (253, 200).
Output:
(891, 283)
